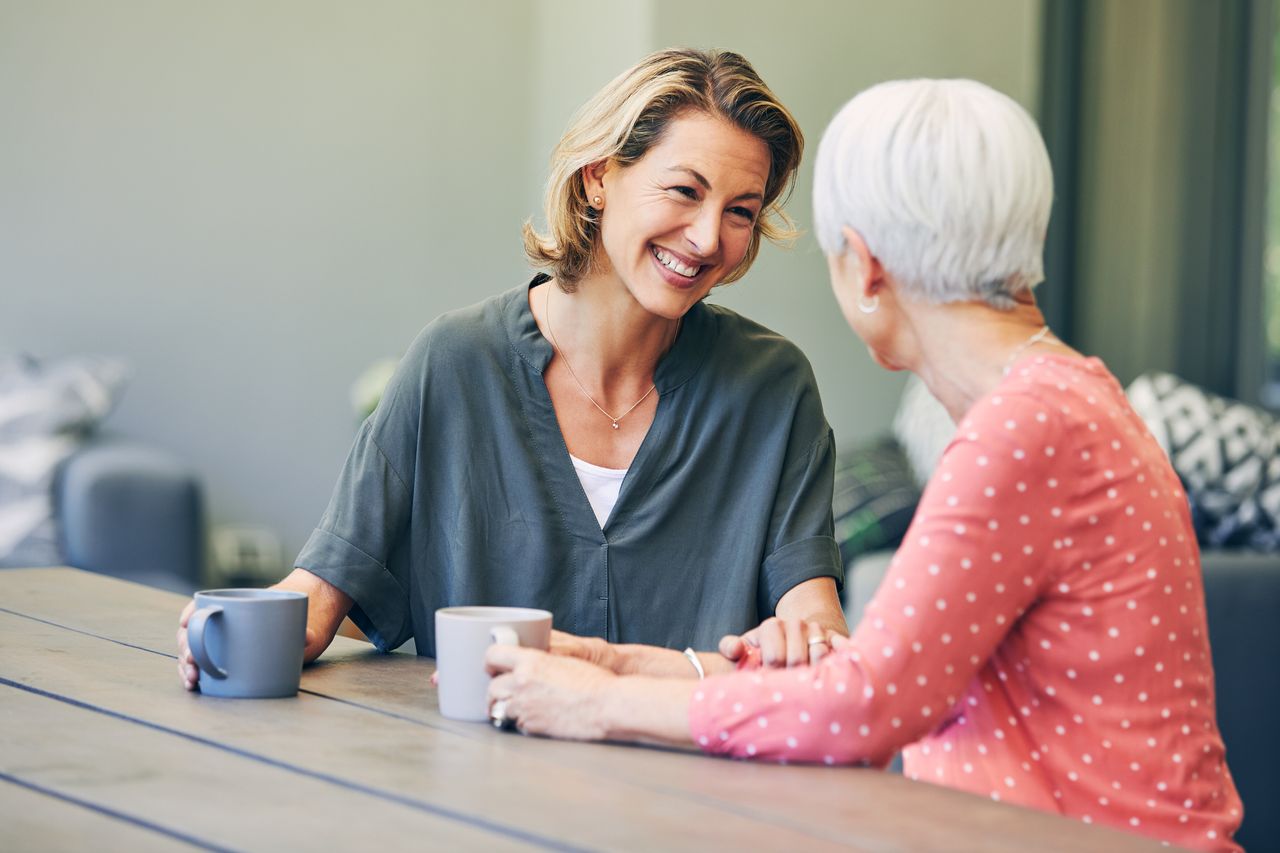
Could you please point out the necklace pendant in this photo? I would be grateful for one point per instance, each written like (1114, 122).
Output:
(615, 424)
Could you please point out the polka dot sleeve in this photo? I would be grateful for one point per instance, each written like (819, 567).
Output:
(972, 562)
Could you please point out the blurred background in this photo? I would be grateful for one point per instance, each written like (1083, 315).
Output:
(251, 203)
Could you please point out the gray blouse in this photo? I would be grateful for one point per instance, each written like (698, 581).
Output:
(459, 489)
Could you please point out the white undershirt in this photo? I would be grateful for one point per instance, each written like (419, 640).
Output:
(601, 485)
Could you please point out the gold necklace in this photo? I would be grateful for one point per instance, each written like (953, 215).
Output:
(555, 345)
(1040, 335)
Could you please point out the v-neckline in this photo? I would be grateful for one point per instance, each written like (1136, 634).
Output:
(675, 368)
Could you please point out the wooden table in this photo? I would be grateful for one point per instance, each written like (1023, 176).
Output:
(101, 748)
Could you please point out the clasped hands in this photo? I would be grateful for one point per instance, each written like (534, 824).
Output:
(565, 692)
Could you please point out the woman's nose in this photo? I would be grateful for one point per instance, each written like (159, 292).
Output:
(703, 233)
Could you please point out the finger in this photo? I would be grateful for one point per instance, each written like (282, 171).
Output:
(189, 675)
(839, 641)
(773, 642)
(818, 643)
(797, 642)
(568, 645)
(435, 678)
(312, 645)
(499, 658)
(501, 687)
(186, 613)
(732, 646)
(184, 650)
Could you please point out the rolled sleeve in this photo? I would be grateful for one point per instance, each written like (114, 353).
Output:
(381, 606)
(364, 524)
(801, 531)
(792, 565)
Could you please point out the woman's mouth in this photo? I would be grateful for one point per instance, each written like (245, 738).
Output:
(682, 270)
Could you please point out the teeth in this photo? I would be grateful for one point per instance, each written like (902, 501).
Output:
(673, 264)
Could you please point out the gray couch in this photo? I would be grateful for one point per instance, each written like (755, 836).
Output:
(131, 511)
(1242, 597)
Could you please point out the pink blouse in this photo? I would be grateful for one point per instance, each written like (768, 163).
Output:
(1040, 636)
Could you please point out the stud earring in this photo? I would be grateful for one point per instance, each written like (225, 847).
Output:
(869, 306)
(596, 200)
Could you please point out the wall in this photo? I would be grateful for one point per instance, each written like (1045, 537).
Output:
(252, 201)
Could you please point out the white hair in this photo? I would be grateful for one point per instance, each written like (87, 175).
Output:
(947, 181)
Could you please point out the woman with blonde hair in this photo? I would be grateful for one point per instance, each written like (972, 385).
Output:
(1040, 636)
(600, 442)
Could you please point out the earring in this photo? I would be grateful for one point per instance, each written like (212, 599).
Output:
(596, 200)
(870, 306)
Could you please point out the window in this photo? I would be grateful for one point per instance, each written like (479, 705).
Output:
(1271, 245)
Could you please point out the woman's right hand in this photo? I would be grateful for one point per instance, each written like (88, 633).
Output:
(326, 607)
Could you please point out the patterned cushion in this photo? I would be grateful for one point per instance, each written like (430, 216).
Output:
(1224, 452)
(875, 498)
(46, 408)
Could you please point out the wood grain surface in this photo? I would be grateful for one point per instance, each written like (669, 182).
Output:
(101, 747)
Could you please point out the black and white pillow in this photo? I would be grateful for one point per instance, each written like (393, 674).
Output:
(1225, 453)
(46, 408)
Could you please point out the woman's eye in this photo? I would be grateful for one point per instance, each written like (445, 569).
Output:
(687, 192)
(743, 212)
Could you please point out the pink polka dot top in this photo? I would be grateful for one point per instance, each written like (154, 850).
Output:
(1039, 637)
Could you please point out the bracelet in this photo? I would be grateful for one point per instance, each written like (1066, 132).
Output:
(697, 664)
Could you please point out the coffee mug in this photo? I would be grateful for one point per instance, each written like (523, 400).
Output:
(249, 643)
(463, 634)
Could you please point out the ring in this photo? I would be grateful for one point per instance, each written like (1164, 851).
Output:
(813, 641)
(498, 716)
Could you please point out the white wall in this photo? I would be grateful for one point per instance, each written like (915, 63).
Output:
(252, 201)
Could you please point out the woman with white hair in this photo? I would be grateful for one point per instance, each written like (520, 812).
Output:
(1040, 637)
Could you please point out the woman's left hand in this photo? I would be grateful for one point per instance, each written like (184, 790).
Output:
(548, 694)
(781, 642)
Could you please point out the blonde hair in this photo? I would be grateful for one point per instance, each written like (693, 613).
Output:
(629, 116)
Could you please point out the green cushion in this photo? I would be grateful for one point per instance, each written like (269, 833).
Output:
(875, 497)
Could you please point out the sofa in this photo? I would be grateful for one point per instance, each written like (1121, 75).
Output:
(72, 492)
(131, 511)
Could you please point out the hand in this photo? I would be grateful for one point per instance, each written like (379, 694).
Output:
(326, 607)
(548, 694)
(189, 672)
(790, 642)
(590, 649)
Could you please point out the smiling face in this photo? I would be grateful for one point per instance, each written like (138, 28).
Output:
(682, 217)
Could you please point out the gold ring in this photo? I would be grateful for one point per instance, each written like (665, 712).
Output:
(813, 641)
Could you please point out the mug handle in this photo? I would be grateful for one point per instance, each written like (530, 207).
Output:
(503, 635)
(195, 640)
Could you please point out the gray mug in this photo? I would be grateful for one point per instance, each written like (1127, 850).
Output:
(463, 634)
(249, 643)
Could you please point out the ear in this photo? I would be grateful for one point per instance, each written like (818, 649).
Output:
(593, 178)
(863, 267)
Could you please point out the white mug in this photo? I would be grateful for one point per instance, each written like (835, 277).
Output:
(462, 636)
